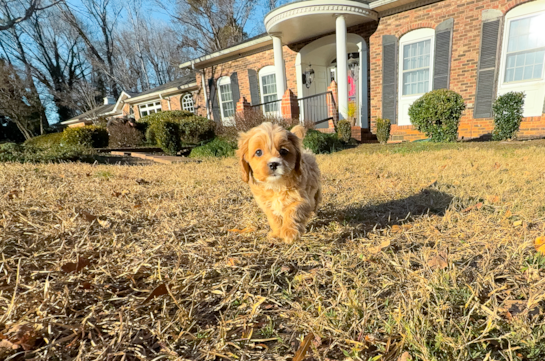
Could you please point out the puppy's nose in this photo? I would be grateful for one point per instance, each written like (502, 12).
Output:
(273, 165)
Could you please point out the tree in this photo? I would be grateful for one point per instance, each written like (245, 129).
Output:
(24, 8)
(18, 103)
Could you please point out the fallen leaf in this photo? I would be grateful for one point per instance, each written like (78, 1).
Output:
(105, 224)
(86, 285)
(303, 348)
(377, 249)
(12, 194)
(539, 244)
(76, 267)
(396, 228)
(493, 199)
(405, 357)
(7, 344)
(517, 223)
(475, 206)
(116, 194)
(138, 205)
(142, 181)
(497, 165)
(245, 230)
(439, 261)
(232, 262)
(88, 216)
(443, 167)
(22, 335)
(88, 174)
(158, 291)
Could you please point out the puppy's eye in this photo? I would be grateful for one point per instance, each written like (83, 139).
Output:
(284, 151)
(259, 152)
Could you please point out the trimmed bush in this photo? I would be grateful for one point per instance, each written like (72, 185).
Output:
(124, 135)
(167, 135)
(45, 141)
(321, 143)
(11, 152)
(219, 147)
(507, 110)
(437, 114)
(90, 136)
(383, 130)
(192, 129)
(344, 131)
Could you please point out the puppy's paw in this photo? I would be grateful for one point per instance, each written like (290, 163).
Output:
(289, 235)
(273, 234)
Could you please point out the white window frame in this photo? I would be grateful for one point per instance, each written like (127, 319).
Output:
(225, 80)
(268, 70)
(533, 88)
(405, 101)
(151, 106)
(190, 107)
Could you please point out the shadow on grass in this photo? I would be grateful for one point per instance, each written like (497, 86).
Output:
(395, 212)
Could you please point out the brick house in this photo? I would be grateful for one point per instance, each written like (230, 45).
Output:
(178, 94)
(321, 60)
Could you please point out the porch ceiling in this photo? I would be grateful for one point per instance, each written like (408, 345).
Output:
(307, 19)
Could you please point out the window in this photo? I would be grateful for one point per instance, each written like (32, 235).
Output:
(525, 49)
(267, 79)
(187, 103)
(227, 105)
(416, 67)
(416, 51)
(522, 59)
(149, 108)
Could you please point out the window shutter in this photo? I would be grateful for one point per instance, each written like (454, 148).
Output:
(216, 112)
(443, 54)
(254, 87)
(389, 77)
(488, 60)
(235, 91)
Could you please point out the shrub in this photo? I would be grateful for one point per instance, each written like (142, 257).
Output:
(320, 143)
(89, 136)
(11, 152)
(437, 114)
(344, 131)
(192, 129)
(219, 147)
(167, 135)
(124, 135)
(507, 110)
(383, 130)
(45, 141)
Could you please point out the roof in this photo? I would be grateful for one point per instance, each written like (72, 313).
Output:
(180, 82)
(103, 109)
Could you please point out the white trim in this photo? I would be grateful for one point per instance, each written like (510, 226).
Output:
(404, 101)
(227, 120)
(266, 71)
(192, 110)
(151, 96)
(533, 88)
(156, 108)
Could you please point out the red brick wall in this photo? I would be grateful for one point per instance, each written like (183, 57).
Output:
(465, 59)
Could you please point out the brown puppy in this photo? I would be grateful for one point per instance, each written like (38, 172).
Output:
(284, 179)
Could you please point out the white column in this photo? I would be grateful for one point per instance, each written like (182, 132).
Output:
(279, 66)
(342, 67)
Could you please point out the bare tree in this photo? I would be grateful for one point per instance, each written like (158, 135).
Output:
(18, 103)
(12, 12)
(82, 97)
(211, 25)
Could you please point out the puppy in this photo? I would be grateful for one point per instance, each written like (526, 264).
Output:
(284, 179)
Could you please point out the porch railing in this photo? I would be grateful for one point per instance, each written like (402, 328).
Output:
(270, 109)
(317, 108)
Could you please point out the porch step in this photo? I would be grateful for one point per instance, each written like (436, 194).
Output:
(163, 159)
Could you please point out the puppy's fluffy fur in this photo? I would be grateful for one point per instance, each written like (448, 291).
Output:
(284, 178)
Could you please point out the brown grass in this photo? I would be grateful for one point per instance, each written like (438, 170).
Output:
(419, 248)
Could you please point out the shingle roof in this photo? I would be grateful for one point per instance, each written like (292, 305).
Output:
(103, 109)
(188, 79)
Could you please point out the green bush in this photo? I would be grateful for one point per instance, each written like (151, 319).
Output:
(45, 141)
(219, 147)
(11, 152)
(437, 114)
(507, 110)
(344, 131)
(90, 136)
(192, 129)
(320, 143)
(383, 130)
(124, 135)
(167, 136)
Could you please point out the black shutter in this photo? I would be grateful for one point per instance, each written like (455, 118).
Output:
(488, 59)
(235, 91)
(443, 54)
(216, 112)
(254, 87)
(389, 77)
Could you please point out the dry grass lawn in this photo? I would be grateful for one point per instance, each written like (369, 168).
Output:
(419, 251)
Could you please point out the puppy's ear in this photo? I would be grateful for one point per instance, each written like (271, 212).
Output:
(241, 152)
(296, 141)
(299, 131)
